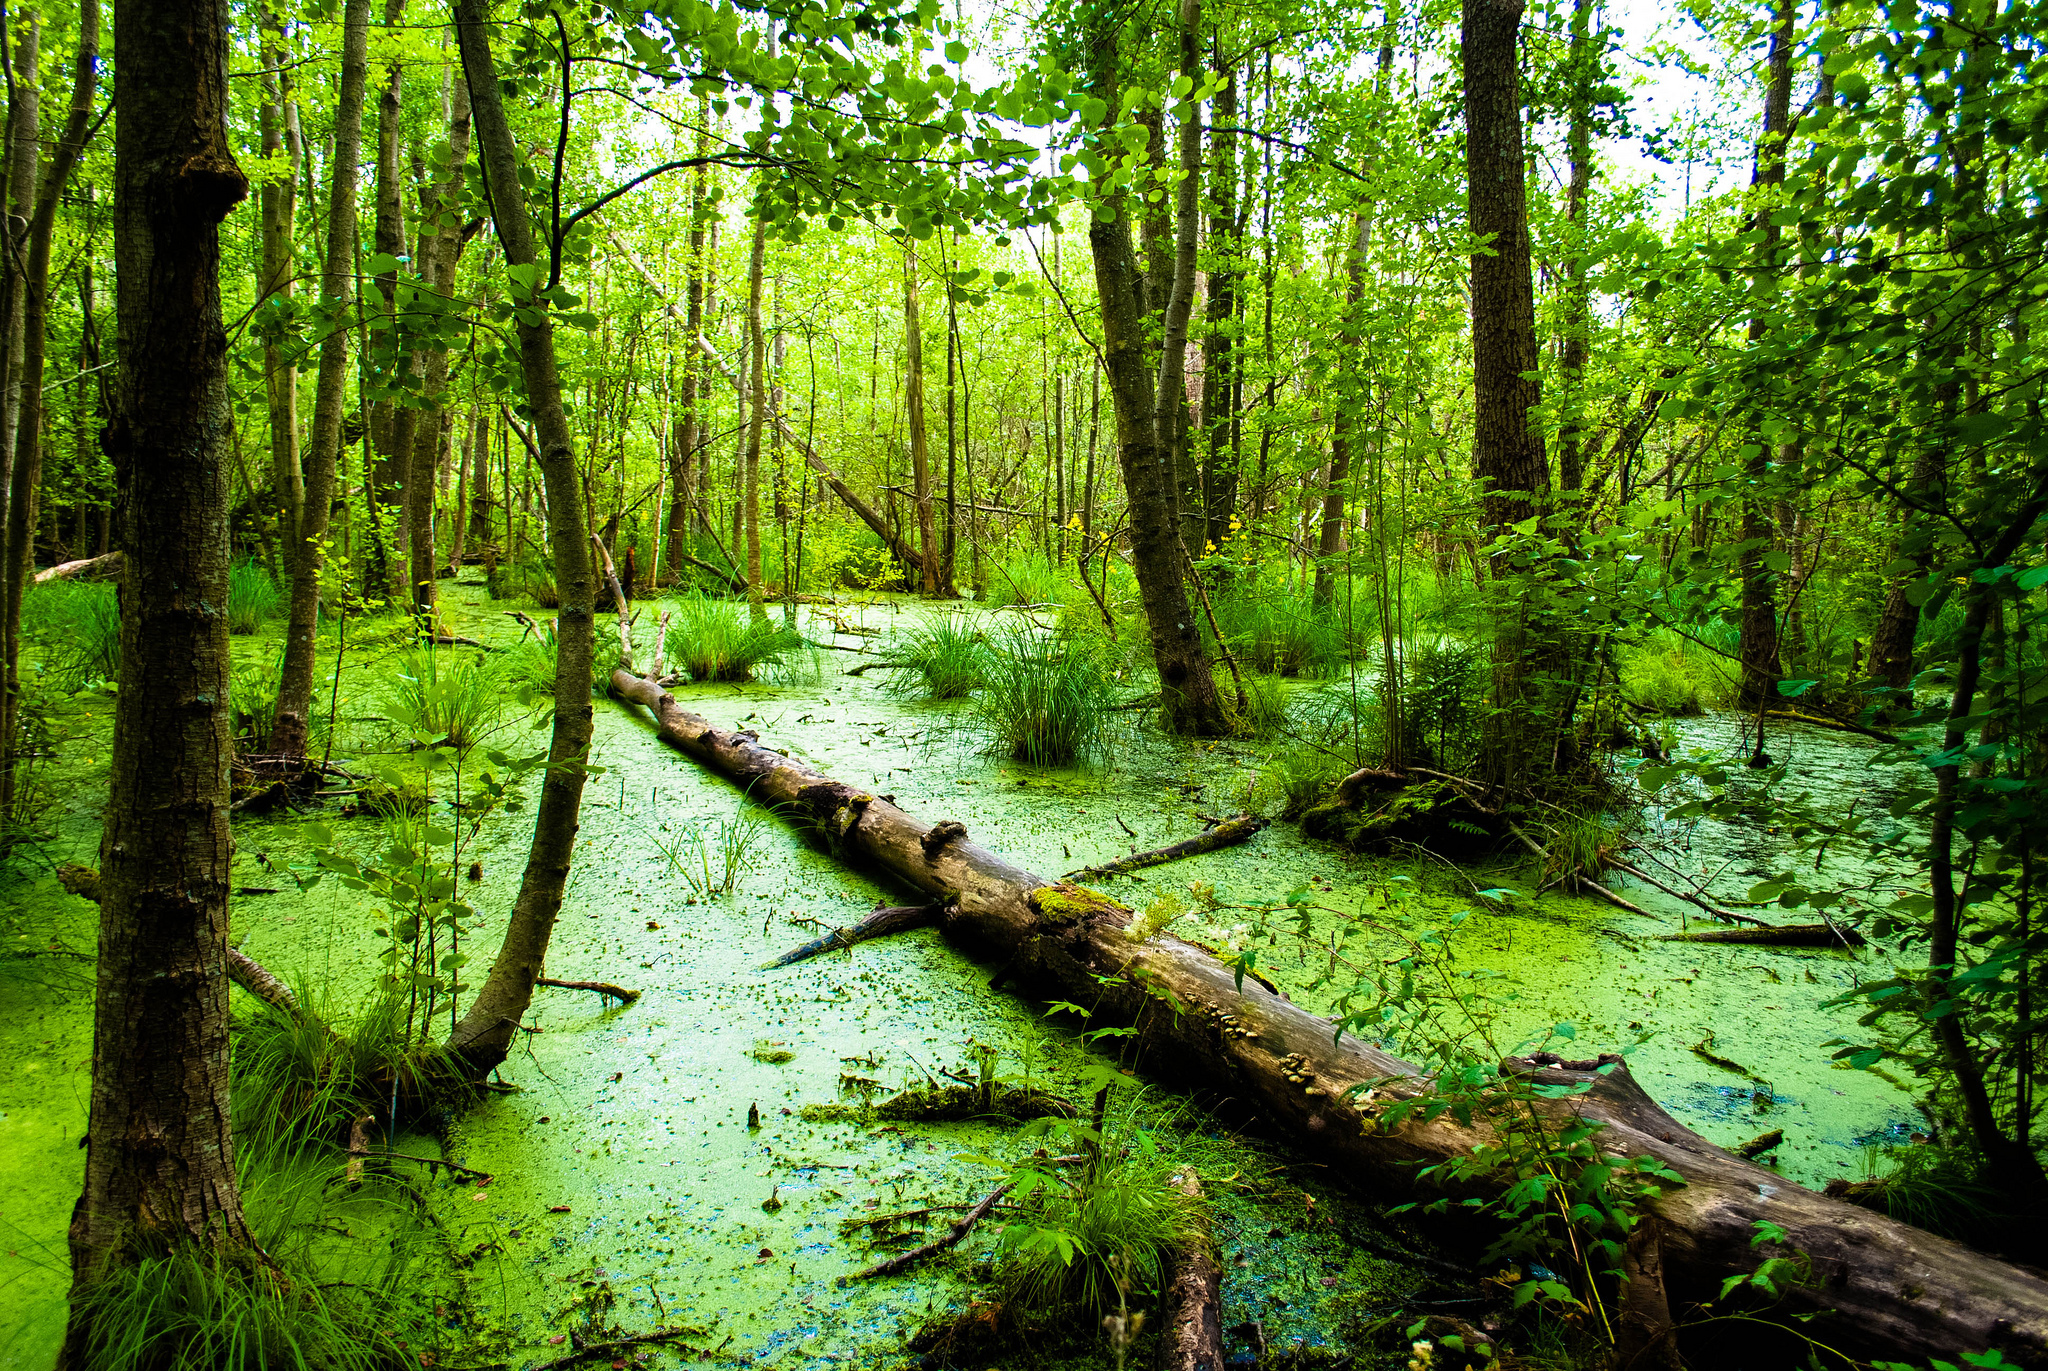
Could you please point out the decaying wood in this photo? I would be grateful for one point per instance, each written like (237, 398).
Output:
(1877, 1285)
(884, 919)
(1761, 1143)
(1644, 1339)
(1193, 1337)
(358, 1147)
(606, 988)
(1828, 721)
(1238, 828)
(599, 1350)
(903, 1261)
(1773, 935)
(1705, 905)
(85, 569)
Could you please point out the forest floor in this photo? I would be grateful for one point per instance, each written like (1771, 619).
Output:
(625, 1171)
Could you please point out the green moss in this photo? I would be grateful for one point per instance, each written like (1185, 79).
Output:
(1066, 903)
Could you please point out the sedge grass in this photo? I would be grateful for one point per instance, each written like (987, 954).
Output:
(253, 596)
(78, 624)
(947, 659)
(1048, 698)
(440, 698)
(718, 640)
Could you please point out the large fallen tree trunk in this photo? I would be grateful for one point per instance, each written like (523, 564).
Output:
(87, 568)
(1879, 1286)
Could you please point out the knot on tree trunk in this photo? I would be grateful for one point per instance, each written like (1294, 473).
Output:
(941, 833)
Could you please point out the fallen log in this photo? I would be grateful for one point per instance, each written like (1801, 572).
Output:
(882, 920)
(1829, 721)
(903, 1261)
(1876, 1285)
(604, 988)
(86, 568)
(1774, 935)
(1193, 1338)
(1238, 828)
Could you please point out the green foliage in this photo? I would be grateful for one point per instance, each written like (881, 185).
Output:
(1264, 713)
(1087, 1241)
(946, 659)
(78, 625)
(1280, 634)
(1026, 578)
(440, 698)
(252, 699)
(720, 640)
(1048, 698)
(301, 1077)
(1668, 681)
(1931, 1187)
(711, 854)
(253, 596)
(1441, 710)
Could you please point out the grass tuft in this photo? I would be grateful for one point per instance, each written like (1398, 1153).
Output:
(79, 625)
(441, 698)
(1048, 698)
(947, 659)
(718, 640)
(253, 596)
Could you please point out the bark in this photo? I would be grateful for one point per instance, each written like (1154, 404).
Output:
(34, 293)
(289, 731)
(159, 1165)
(1878, 1286)
(391, 425)
(913, 401)
(688, 431)
(280, 128)
(1193, 1340)
(1898, 619)
(1170, 418)
(881, 921)
(1578, 307)
(1644, 1339)
(484, 1034)
(1758, 649)
(1238, 828)
(1221, 383)
(1187, 686)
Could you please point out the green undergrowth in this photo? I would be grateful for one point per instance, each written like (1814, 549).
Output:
(1049, 698)
(350, 1284)
(76, 626)
(720, 640)
(946, 659)
(253, 596)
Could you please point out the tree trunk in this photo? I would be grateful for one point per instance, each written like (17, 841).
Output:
(27, 475)
(392, 425)
(1507, 448)
(1578, 312)
(290, 727)
(281, 137)
(1254, 1046)
(1221, 383)
(913, 401)
(757, 409)
(481, 531)
(441, 243)
(24, 131)
(1170, 418)
(159, 1164)
(688, 429)
(1758, 649)
(485, 1033)
(1187, 687)
(1343, 420)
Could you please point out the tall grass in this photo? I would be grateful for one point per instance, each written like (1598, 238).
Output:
(1283, 635)
(302, 1076)
(711, 856)
(252, 702)
(441, 698)
(1028, 578)
(253, 596)
(946, 659)
(78, 624)
(719, 640)
(1047, 699)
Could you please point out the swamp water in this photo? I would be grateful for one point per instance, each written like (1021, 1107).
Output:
(627, 1183)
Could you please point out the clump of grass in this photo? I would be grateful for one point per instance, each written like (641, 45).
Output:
(1047, 698)
(252, 702)
(442, 699)
(79, 625)
(253, 596)
(947, 659)
(1093, 1240)
(1929, 1187)
(711, 856)
(301, 1077)
(1299, 778)
(718, 640)
(1663, 681)
(1029, 578)
(1285, 635)
(1264, 712)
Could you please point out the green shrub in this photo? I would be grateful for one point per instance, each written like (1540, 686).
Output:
(253, 596)
(1662, 681)
(946, 659)
(252, 701)
(1048, 698)
(1446, 689)
(437, 697)
(78, 624)
(719, 640)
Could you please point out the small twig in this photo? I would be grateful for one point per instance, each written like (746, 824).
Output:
(605, 1349)
(959, 1230)
(355, 1156)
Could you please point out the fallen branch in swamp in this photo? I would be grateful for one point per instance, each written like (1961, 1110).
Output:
(1193, 1337)
(903, 1261)
(1238, 828)
(1071, 942)
(605, 988)
(1773, 935)
(883, 919)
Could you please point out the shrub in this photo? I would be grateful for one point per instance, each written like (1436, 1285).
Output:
(252, 701)
(1047, 699)
(718, 640)
(946, 659)
(253, 596)
(1447, 686)
(79, 624)
(439, 698)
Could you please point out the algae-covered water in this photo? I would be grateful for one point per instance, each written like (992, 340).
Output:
(624, 1168)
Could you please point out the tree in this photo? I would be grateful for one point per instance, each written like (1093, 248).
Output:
(159, 1165)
